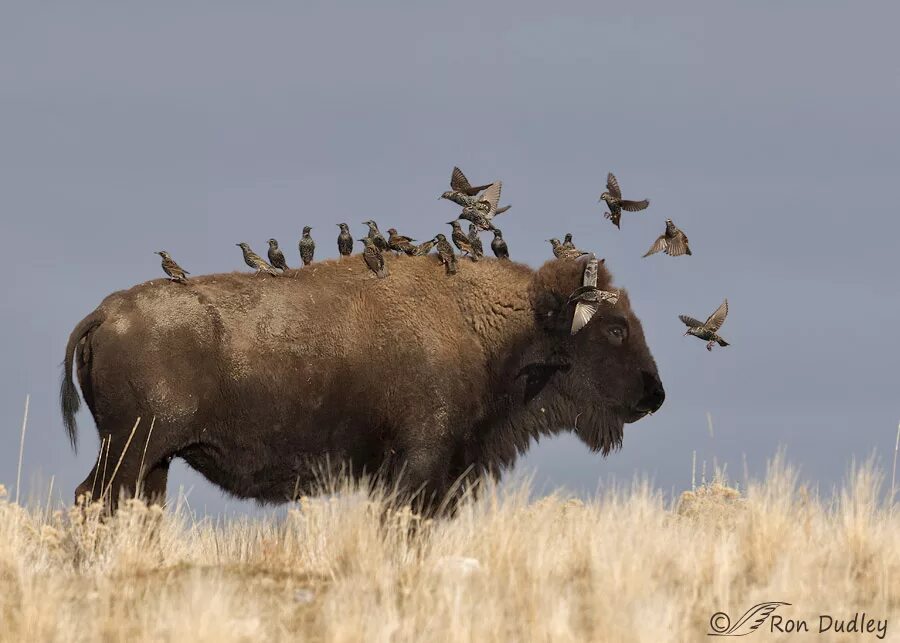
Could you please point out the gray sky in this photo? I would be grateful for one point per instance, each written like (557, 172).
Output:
(767, 132)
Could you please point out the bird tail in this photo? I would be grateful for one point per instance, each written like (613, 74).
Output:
(722, 342)
(69, 401)
(502, 210)
(451, 267)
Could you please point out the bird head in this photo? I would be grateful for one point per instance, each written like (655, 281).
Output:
(472, 228)
(498, 233)
(273, 243)
(242, 246)
(161, 253)
(343, 227)
(446, 195)
(392, 231)
(553, 242)
(568, 238)
(455, 224)
(439, 238)
(306, 230)
(605, 197)
(371, 224)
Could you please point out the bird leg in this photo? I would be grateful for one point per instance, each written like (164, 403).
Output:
(709, 345)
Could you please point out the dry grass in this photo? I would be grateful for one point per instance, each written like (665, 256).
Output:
(621, 567)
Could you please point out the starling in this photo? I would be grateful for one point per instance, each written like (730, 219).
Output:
(615, 202)
(255, 261)
(498, 245)
(307, 246)
(475, 241)
(276, 256)
(588, 298)
(345, 241)
(567, 242)
(373, 257)
(561, 252)
(461, 188)
(445, 252)
(709, 329)
(484, 208)
(376, 236)
(424, 248)
(673, 242)
(461, 240)
(175, 272)
(399, 243)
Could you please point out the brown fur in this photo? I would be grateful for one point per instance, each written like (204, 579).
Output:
(423, 377)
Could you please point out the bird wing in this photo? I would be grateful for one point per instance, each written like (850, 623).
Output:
(678, 246)
(634, 206)
(584, 312)
(715, 321)
(491, 196)
(690, 322)
(658, 245)
(458, 181)
(612, 184)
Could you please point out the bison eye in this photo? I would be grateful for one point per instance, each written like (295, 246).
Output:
(616, 335)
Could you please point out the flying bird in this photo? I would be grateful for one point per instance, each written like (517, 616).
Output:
(373, 257)
(376, 236)
(561, 252)
(399, 243)
(171, 268)
(255, 261)
(276, 256)
(484, 207)
(588, 298)
(345, 241)
(307, 246)
(708, 330)
(615, 202)
(673, 242)
(475, 242)
(461, 240)
(460, 187)
(498, 245)
(445, 252)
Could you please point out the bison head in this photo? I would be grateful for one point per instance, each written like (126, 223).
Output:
(601, 378)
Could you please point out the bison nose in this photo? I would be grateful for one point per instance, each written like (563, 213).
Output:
(654, 394)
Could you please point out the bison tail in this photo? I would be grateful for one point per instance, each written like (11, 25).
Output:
(68, 395)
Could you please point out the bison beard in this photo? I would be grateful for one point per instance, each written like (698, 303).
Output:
(418, 379)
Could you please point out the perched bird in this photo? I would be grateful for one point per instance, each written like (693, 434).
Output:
(373, 257)
(588, 298)
(376, 236)
(498, 245)
(561, 252)
(255, 261)
(709, 329)
(276, 256)
(445, 252)
(615, 202)
(567, 242)
(175, 272)
(484, 208)
(475, 241)
(424, 248)
(460, 187)
(345, 241)
(307, 246)
(399, 243)
(673, 242)
(461, 240)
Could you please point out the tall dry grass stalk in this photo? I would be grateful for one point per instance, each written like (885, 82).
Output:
(22, 447)
(624, 566)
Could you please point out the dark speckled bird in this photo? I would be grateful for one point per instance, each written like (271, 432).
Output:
(373, 258)
(376, 236)
(588, 298)
(708, 330)
(255, 261)
(498, 245)
(461, 190)
(398, 243)
(445, 252)
(345, 241)
(561, 252)
(307, 246)
(475, 241)
(567, 242)
(615, 202)
(461, 240)
(424, 248)
(276, 256)
(484, 208)
(175, 272)
(673, 242)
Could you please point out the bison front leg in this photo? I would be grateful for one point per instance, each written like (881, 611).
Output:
(420, 472)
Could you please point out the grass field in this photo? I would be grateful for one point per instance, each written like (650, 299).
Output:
(624, 566)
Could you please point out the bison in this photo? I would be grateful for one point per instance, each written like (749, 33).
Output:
(418, 379)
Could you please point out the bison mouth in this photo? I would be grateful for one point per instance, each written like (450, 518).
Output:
(633, 415)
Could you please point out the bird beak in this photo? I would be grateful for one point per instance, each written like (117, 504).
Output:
(686, 333)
